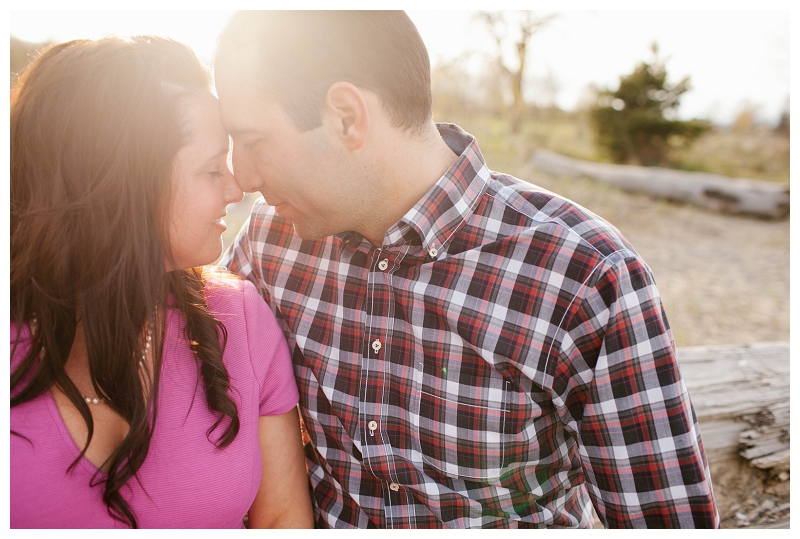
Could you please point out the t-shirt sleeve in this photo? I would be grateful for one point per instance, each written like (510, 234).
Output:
(20, 346)
(270, 356)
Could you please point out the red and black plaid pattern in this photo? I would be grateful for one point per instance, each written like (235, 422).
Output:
(503, 360)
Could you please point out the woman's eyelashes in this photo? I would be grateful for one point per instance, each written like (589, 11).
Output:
(250, 145)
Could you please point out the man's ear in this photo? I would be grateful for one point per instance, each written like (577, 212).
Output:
(348, 114)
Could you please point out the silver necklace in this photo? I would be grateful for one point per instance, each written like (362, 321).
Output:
(145, 349)
(148, 340)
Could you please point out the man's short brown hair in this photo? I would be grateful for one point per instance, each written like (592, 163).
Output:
(296, 55)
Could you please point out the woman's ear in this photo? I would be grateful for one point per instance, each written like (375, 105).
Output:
(348, 114)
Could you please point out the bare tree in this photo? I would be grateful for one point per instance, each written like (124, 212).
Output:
(517, 28)
(548, 88)
(452, 86)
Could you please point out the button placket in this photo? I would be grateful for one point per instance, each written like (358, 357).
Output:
(377, 451)
(372, 384)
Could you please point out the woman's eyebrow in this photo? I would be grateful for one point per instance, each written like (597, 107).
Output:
(220, 153)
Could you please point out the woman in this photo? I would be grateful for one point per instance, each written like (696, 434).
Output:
(146, 390)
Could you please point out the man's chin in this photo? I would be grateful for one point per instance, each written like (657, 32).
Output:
(307, 233)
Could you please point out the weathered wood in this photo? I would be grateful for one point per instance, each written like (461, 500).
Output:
(729, 195)
(741, 397)
(776, 461)
(762, 449)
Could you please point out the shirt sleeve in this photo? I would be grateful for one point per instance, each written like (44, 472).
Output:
(621, 394)
(270, 356)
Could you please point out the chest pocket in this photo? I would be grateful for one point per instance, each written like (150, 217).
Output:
(470, 431)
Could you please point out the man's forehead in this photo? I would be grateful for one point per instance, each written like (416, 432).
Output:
(239, 121)
(235, 89)
(235, 117)
(231, 87)
(239, 70)
(244, 114)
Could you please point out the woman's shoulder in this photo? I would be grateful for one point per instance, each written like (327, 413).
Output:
(254, 332)
(222, 287)
(228, 295)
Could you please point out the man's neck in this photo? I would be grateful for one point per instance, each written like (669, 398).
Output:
(412, 165)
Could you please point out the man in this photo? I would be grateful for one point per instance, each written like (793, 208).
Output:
(471, 350)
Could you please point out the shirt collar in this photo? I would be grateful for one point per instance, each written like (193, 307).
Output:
(433, 220)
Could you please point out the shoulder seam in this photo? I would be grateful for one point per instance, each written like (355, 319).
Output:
(561, 329)
(247, 330)
(555, 222)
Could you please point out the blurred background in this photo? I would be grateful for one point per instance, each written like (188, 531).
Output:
(692, 91)
(715, 88)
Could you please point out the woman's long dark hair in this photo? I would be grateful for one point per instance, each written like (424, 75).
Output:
(95, 128)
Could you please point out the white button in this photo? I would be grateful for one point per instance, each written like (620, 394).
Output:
(376, 345)
(383, 264)
(433, 252)
(372, 425)
(394, 486)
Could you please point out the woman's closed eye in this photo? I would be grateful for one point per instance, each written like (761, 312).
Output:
(251, 144)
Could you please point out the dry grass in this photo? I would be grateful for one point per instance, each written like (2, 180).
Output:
(758, 153)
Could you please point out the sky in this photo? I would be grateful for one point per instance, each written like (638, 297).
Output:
(735, 58)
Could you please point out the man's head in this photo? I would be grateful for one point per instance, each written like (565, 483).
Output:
(294, 56)
(308, 96)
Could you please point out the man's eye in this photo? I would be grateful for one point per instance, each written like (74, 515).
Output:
(251, 144)
(215, 173)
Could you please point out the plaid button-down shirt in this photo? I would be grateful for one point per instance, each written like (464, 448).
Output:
(502, 360)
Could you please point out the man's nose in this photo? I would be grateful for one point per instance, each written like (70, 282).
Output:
(243, 171)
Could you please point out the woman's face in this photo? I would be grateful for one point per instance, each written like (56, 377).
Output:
(202, 187)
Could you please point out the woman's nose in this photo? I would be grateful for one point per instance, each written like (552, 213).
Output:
(233, 193)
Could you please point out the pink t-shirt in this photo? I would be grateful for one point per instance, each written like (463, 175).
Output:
(185, 481)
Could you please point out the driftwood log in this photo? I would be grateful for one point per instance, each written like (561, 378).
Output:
(740, 395)
(741, 398)
(730, 195)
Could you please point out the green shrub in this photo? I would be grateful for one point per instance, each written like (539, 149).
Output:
(636, 123)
